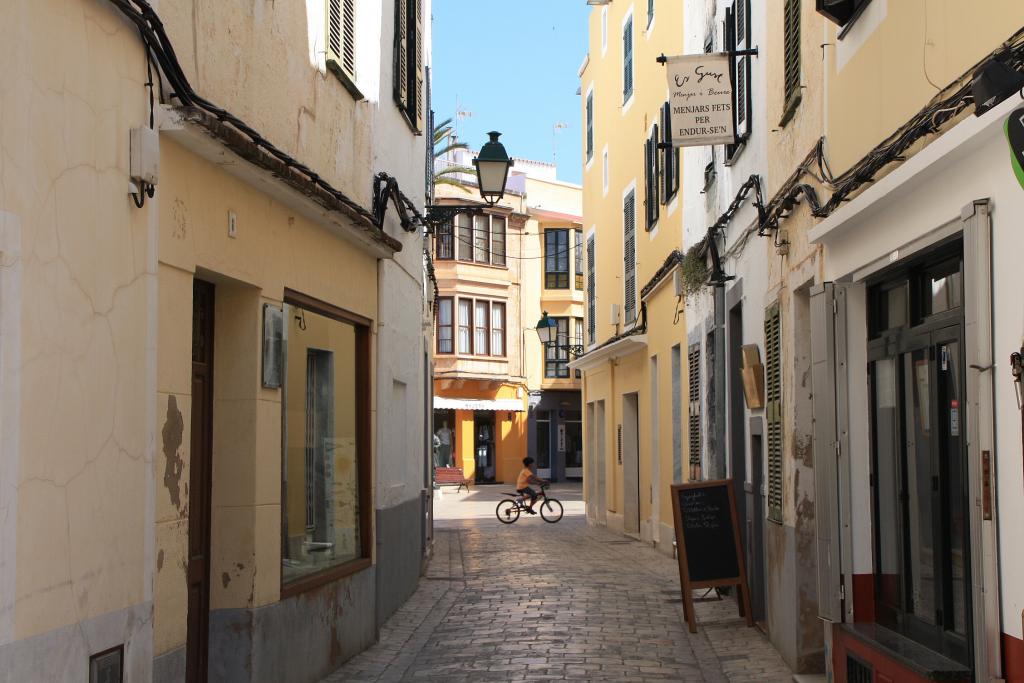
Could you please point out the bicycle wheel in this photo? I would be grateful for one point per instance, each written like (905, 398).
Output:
(551, 510)
(507, 512)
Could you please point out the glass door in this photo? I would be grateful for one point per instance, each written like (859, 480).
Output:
(920, 478)
(543, 444)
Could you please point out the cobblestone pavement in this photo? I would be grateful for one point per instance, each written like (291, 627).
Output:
(535, 601)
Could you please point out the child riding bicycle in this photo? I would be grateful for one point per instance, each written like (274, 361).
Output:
(523, 481)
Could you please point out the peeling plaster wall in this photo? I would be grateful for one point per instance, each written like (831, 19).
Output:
(77, 427)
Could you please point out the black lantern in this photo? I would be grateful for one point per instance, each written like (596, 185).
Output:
(492, 169)
(547, 332)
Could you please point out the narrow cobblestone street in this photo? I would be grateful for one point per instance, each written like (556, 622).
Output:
(565, 601)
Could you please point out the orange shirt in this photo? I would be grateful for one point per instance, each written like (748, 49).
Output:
(523, 480)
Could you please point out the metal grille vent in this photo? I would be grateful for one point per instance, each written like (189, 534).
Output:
(858, 671)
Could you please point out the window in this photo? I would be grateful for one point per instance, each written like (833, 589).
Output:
(497, 240)
(578, 246)
(408, 60)
(652, 179)
(738, 37)
(444, 242)
(591, 292)
(341, 42)
(629, 256)
(670, 160)
(627, 59)
(444, 325)
(465, 326)
(482, 318)
(481, 239)
(325, 514)
(590, 125)
(497, 329)
(556, 259)
(773, 410)
(556, 356)
(464, 223)
(791, 59)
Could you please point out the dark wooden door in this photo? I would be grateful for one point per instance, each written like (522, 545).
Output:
(198, 575)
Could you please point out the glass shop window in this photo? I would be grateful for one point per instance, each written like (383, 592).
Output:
(325, 402)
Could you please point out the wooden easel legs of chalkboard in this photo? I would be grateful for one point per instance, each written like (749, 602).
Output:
(742, 600)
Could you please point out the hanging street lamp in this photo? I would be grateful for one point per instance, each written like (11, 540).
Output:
(492, 169)
(547, 332)
(492, 165)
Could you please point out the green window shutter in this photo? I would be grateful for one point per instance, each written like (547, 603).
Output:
(401, 61)
(591, 292)
(791, 50)
(627, 60)
(629, 256)
(341, 37)
(693, 368)
(419, 111)
(773, 410)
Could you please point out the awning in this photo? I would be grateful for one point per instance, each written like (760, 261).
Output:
(497, 404)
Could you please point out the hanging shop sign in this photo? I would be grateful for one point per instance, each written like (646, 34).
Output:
(1014, 128)
(700, 95)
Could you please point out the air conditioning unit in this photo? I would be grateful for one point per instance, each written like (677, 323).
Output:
(615, 314)
(677, 281)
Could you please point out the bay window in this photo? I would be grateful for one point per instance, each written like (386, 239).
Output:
(444, 325)
(482, 318)
(465, 326)
(556, 259)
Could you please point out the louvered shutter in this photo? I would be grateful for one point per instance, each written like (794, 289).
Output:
(402, 53)
(590, 126)
(693, 369)
(649, 181)
(629, 256)
(627, 59)
(773, 411)
(341, 37)
(743, 68)
(671, 158)
(791, 50)
(591, 292)
(419, 114)
(655, 174)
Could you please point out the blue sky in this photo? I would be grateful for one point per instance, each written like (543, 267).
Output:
(513, 65)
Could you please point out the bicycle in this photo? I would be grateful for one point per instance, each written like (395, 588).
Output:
(508, 511)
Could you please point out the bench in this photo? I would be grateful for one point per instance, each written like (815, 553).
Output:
(451, 476)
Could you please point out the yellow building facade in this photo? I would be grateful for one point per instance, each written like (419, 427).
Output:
(634, 365)
(211, 469)
(492, 378)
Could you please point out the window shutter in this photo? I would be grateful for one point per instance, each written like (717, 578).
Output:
(629, 256)
(791, 50)
(590, 126)
(655, 171)
(693, 367)
(671, 156)
(649, 181)
(341, 37)
(401, 74)
(627, 59)
(418, 79)
(828, 366)
(743, 68)
(773, 411)
(591, 292)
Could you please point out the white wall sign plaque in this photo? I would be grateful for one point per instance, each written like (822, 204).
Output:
(700, 94)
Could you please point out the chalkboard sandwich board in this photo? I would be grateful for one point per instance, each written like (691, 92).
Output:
(708, 542)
